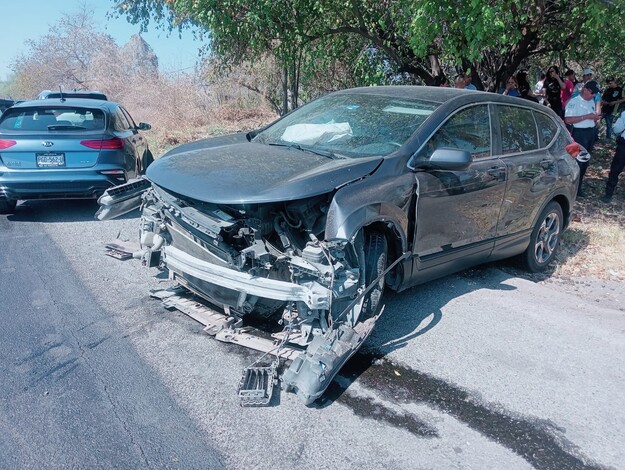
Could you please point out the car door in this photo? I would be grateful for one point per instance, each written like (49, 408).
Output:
(457, 211)
(126, 131)
(532, 170)
(141, 144)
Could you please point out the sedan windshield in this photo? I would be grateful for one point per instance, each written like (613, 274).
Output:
(50, 119)
(353, 125)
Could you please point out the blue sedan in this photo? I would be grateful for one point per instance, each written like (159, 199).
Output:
(68, 149)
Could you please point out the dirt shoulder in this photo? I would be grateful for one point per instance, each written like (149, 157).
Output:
(594, 244)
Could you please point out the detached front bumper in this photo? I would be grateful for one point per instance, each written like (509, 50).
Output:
(315, 296)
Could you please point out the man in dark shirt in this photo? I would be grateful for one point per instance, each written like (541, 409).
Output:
(612, 96)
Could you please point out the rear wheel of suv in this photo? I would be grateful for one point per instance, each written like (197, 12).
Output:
(545, 239)
(7, 206)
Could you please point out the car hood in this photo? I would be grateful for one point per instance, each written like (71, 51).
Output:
(227, 172)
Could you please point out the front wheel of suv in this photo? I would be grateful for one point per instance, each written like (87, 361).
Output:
(7, 206)
(545, 239)
(376, 258)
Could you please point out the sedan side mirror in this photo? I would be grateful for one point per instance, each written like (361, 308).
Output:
(446, 159)
(144, 126)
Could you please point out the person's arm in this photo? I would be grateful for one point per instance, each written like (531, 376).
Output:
(557, 77)
(619, 125)
(583, 117)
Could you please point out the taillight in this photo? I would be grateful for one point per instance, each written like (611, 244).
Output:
(573, 149)
(109, 144)
(5, 144)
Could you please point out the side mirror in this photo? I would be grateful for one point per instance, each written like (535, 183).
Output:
(446, 159)
(144, 126)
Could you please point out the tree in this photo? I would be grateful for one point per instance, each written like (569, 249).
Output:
(64, 57)
(409, 41)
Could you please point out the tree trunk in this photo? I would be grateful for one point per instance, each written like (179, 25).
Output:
(285, 89)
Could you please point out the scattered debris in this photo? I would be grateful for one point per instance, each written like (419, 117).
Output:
(121, 250)
(257, 383)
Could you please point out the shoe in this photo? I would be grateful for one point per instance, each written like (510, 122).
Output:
(607, 199)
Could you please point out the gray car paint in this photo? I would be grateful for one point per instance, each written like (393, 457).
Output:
(242, 173)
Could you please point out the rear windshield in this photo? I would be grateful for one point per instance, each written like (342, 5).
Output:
(52, 119)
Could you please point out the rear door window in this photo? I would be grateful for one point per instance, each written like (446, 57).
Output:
(44, 119)
(121, 122)
(547, 129)
(129, 118)
(518, 129)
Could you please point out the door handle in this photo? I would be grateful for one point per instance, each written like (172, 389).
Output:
(546, 163)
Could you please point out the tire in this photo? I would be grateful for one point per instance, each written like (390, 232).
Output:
(545, 239)
(146, 161)
(7, 206)
(376, 257)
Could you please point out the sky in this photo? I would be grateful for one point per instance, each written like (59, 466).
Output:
(31, 19)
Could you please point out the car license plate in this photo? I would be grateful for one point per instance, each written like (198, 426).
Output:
(50, 159)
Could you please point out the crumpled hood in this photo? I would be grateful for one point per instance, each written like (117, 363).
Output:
(226, 172)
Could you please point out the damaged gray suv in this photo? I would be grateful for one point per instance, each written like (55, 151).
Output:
(307, 221)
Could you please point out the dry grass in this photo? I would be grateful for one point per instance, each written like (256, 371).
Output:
(181, 110)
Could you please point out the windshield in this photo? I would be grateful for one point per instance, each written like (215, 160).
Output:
(46, 119)
(353, 125)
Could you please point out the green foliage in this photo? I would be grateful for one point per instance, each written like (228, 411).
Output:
(390, 41)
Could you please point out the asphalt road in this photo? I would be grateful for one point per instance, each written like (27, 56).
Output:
(481, 370)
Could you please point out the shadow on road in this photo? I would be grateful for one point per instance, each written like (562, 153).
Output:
(417, 311)
(51, 211)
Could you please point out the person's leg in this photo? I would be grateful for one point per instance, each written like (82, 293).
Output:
(585, 138)
(593, 138)
(609, 118)
(583, 166)
(617, 166)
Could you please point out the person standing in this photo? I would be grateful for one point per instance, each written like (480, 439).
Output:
(512, 87)
(612, 96)
(525, 90)
(567, 91)
(581, 114)
(539, 90)
(467, 82)
(553, 88)
(618, 161)
(586, 76)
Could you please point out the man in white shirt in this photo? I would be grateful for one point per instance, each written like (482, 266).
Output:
(618, 162)
(581, 114)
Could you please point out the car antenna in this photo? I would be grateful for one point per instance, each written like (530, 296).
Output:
(61, 93)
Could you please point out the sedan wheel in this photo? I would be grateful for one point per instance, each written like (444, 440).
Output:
(545, 239)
